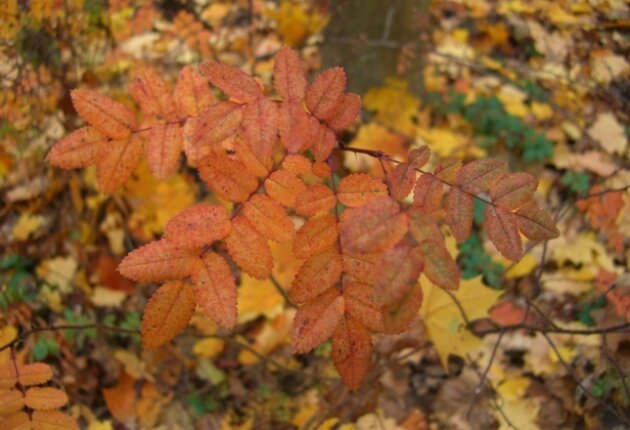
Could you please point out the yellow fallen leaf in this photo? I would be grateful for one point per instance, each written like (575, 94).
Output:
(541, 111)
(375, 137)
(27, 225)
(294, 23)
(134, 366)
(209, 347)
(443, 320)
(58, 271)
(606, 66)
(51, 298)
(215, 13)
(101, 425)
(272, 334)
(106, 297)
(513, 388)
(513, 100)
(446, 143)
(609, 133)
(395, 107)
(258, 298)
(522, 268)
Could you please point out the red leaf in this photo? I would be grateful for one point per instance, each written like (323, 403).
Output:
(316, 235)
(269, 218)
(316, 275)
(232, 81)
(117, 161)
(375, 226)
(423, 225)
(326, 93)
(157, 261)
(358, 189)
(259, 165)
(260, 125)
(427, 193)
(192, 94)
(315, 199)
(321, 139)
(459, 213)
(167, 313)
(227, 177)
(346, 113)
(479, 175)
(439, 266)
(514, 190)
(535, 223)
(398, 316)
(249, 249)
(111, 118)
(362, 306)
(396, 272)
(151, 92)
(215, 290)
(352, 352)
(163, 149)
(296, 164)
(198, 226)
(288, 75)
(78, 149)
(360, 266)
(402, 179)
(502, 230)
(215, 124)
(284, 187)
(316, 321)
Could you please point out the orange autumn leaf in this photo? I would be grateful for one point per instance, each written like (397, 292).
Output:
(402, 180)
(358, 189)
(192, 94)
(78, 149)
(374, 226)
(397, 316)
(439, 266)
(52, 420)
(227, 177)
(296, 164)
(45, 398)
(249, 249)
(215, 124)
(459, 213)
(514, 190)
(502, 229)
(321, 139)
(111, 118)
(215, 289)
(157, 261)
(284, 187)
(117, 161)
(315, 199)
(152, 94)
(316, 235)
(360, 266)
(232, 81)
(316, 275)
(351, 352)
(293, 126)
(16, 421)
(260, 126)
(316, 321)
(198, 225)
(258, 164)
(288, 75)
(29, 374)
(479, 175)
(396, 272)
(346, 112)
(269, 218)
(167, 313)
(163, 149)
(361, 305)
(11, 401)
(535, 223)
(427, 193)
(326, 92)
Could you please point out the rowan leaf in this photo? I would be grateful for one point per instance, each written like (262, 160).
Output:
(192, 94)
(288, 75)
(157, 261)
(293, 126)
(419, 157)
(362, 306)
(502, 229)
(269, 218)
(232, 81)
(514, 190)
(316, 235)
(375, 226)
(260, 125)
(402, 180)
(167, 313)
(34, 374)
(111, 118)
(45, 398)
(259, 165)
(351, 352)
(396, 272)
(346, 113)
(198, 226)
(284, 187)
(423, 225)
(326, 93)
(535, 223)
(316, 321)
(479, 175)
(152, 94)
(459, 213)
(358, 189)
(215, 289)
(321, 139)
(78, 149)
(360, 266)
(52, 420)
(163, 149)
(296, 164)
(439, 266)
(315, 199)
(316, 275)
(249, 249)
(227, 177)
(321, 169)
(16, 421)
(10, 402)
(427, 193)
(117, 161)
(215, 124)
(398, 316)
